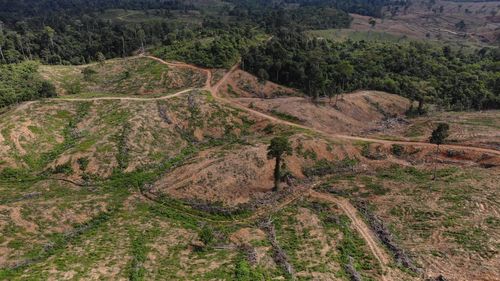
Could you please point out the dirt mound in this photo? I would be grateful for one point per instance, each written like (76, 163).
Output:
(244, 84)
(234, 174)
(354, 113)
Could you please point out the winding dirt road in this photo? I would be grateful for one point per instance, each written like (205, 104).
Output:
(214, 90)
(357, 222)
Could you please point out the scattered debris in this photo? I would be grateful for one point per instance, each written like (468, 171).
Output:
(455, 153)
(280, 256)
(438, 278)
(387, 124)
(386, 237)
(250, 253)
(376, 154)
(162, 112)
(192, 101)
(349, 268)
(217, 209)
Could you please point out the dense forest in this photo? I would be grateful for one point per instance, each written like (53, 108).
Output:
(74, 32)
(267, 34)
(451, 79)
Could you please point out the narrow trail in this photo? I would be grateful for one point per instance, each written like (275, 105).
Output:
(126, 98)
(214, 90)
(366, 233)
(215, 93)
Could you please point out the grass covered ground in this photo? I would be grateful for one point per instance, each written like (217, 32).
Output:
(449, 226)
(136, 76)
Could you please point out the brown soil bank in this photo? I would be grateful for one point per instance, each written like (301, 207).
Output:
(244, 84)
(352, 114)
(236, 174)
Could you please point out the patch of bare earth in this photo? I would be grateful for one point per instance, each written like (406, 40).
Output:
(352, 113)
(243, 84)
(467, 128)
(449, 226)
(317, 248)
(437, 21)
(30, 129)
(234, 175)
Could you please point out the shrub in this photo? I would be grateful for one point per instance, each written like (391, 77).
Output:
(47, 90)
(73, 87)
(88, 73)
(397, 149)
(206, 235)
(63, 169)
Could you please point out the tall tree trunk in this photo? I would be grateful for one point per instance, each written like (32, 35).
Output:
(29, 49)
(1, 53)
(420, 106)
(123, 47)
(22, 48)
(277, 174)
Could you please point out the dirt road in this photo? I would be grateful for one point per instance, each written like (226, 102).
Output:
(360, 226)
(214, 90)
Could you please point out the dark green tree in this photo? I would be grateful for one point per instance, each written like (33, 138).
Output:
(372, 22)
(2, 41)
(460, 25)
(100, 58)
(422, 91)
(346, 71)
(279, 147)
(438, 137)
(47, 90)
(88, 73)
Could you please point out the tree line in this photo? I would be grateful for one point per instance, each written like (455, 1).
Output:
(79, 32)
(452, 79)
(73, 32)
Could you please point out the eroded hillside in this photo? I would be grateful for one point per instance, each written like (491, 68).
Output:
(179, 186)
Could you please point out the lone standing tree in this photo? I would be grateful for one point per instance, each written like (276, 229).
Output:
(438, 136)
(277, 149)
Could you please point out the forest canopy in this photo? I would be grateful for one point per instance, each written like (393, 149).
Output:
(268, 35)
(422, 72)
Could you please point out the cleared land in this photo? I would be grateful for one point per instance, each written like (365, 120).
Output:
(137, 76)
(179, 188)
(427, 20)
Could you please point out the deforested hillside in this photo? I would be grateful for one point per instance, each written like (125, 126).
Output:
(249, 140)
(157, 187)
(132, 76)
